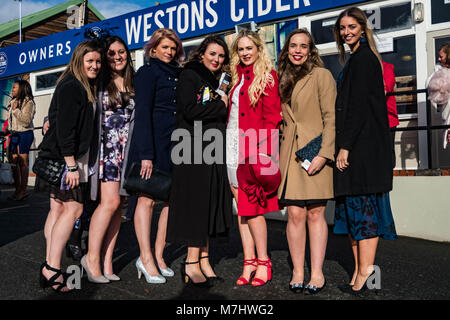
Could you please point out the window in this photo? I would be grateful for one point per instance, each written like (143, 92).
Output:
(440, 11)
(47, 81)
(385, 19)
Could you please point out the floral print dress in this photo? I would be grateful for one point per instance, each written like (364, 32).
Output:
(115, 126)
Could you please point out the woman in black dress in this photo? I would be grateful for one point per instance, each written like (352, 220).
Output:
(363, 173)
(200, 203)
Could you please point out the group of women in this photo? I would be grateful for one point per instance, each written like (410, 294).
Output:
(103, 118)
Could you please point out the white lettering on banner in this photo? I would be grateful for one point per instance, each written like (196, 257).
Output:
(280, 7)
(234, 17)
(41, 54)
(147, 26)
(158, 14)
(185, 8)
(170, 12)
(132, 29)
(197, 15)
(250, 9)
(261, 11)
(211, 23)
(189, 16)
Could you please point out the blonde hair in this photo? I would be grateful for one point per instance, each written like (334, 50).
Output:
(361, 18)
(262, 68)
(76, 67)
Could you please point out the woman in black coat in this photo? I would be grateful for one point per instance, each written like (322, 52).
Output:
(154, 121)
(363, 173)
(69, 139)
(200, 202)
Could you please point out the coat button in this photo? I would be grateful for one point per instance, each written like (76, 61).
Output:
(174, 88)
(174, 101)
(248, 78)
(176, 79)
(296, 136)
(242, 93)
(247, 72)
(242, 114)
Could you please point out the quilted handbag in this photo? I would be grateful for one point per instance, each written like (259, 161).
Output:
(49, 169)
(310, 151)
(157, 186)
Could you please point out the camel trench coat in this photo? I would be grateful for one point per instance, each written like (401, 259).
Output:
(312, 112)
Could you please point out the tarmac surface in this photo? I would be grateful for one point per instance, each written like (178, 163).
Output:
(411, 269)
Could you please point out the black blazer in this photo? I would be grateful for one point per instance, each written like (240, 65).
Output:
(71, 117)
(362, 127)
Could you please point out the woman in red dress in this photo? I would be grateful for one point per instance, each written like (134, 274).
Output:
(254, 109)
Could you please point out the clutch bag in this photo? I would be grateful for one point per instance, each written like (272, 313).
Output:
(310, 151)
(49, 169)
(157, 186)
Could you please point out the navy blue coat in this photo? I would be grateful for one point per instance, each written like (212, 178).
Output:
(155, 86)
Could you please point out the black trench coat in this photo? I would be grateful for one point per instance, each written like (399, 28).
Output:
(362, 127)
(201, 202)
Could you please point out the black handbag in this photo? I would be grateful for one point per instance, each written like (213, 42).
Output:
(310, 151)
(49, 169)
(157, 186)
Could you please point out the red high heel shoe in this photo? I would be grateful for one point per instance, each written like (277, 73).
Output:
(247, 262)
(268, 264)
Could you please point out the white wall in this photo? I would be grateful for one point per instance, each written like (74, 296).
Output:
(420, 206)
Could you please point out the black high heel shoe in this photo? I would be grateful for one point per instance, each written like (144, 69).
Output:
(45, 283)
(315, 290)
(297, 287)
(213, 279)
(187, 279)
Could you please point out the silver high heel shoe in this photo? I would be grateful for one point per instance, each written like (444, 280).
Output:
(100, 279)
(112, 277)
(166, 272)
(150, 279)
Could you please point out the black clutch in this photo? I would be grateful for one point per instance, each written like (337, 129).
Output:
(310, 151)
(50, 170)
(157, 187)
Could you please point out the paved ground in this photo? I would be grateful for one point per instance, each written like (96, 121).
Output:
(410, 268)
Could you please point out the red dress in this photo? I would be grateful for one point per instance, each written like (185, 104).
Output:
(265, 115)
(389, 84)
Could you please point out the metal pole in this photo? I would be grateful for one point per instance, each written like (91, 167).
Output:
(20, 20)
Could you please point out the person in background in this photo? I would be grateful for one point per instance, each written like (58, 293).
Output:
(255, 106)
(68, 139)
(308, 95)
(114, 109)
(363, 172)
(21, 110)
(389, 87)
(155, 90)
(438, 85)
(200, 200)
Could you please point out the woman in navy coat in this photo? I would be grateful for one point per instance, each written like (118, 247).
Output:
(155, 88)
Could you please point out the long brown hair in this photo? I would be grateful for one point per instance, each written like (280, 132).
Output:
(289, 73)
(76, 67)
(361, 18)
(24, 92)
(114, 95)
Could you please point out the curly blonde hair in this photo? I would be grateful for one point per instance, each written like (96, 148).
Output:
(262, 68)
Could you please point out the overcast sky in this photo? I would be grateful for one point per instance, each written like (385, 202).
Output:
(109, 8)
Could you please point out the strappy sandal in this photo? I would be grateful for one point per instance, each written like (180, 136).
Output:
(244, 281)
(45, 283)
(268, 264)
(214, 279)
(187, 279)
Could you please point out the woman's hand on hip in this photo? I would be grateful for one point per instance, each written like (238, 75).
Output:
(146, 169)
(316, 165)
(73, 179)
(342, 160)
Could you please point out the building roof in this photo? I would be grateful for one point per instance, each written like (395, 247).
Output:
(12, 26)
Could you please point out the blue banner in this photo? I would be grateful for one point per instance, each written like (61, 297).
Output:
(189, 18)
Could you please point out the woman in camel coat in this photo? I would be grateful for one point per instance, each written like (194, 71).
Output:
(308, 94)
